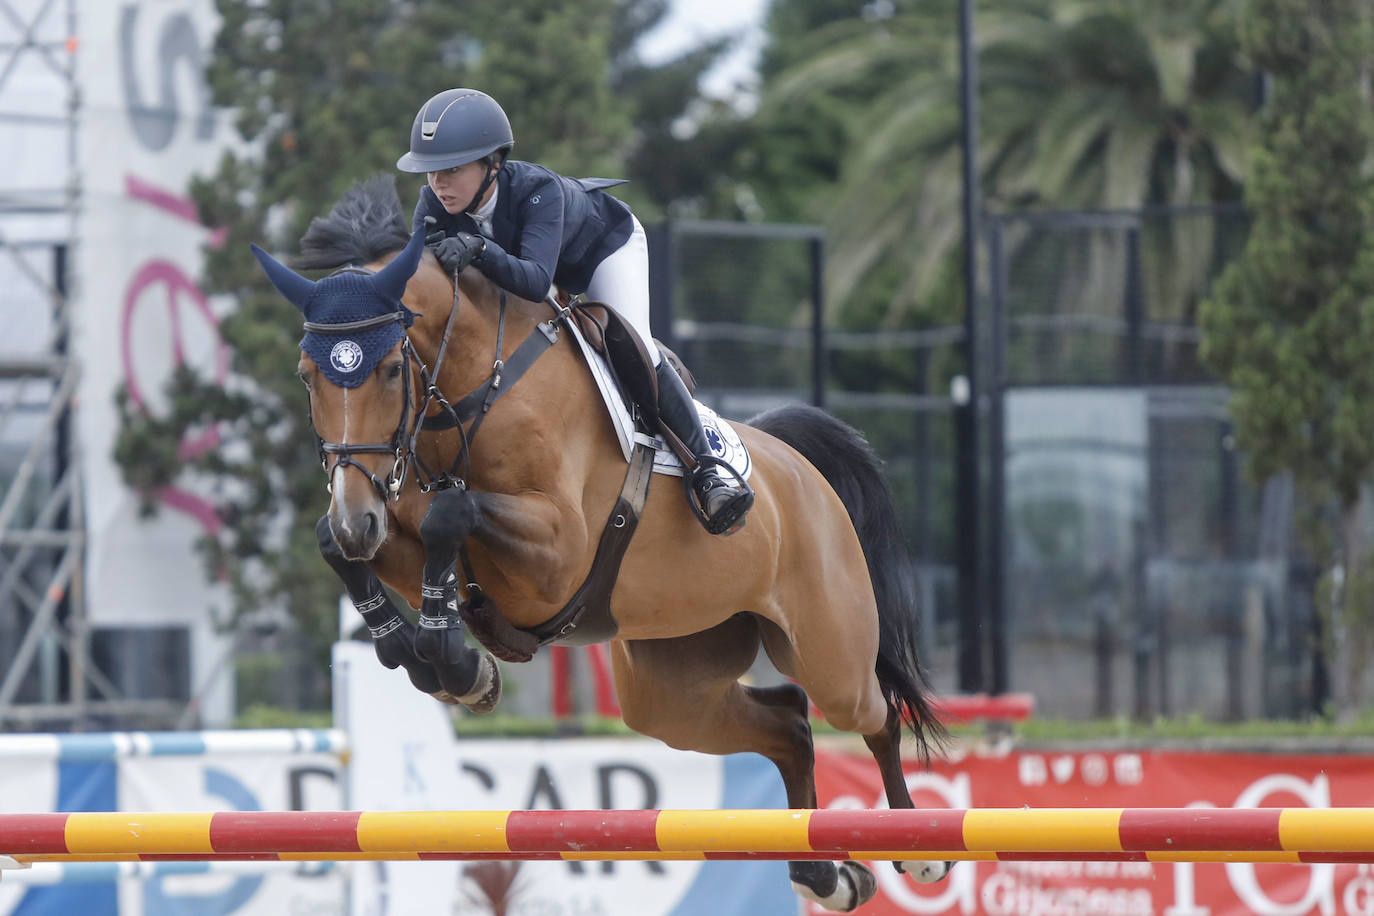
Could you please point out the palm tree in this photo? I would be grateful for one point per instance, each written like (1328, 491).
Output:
(1085, 104)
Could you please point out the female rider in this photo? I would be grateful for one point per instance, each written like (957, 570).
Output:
(527, 228)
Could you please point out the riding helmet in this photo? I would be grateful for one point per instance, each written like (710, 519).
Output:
(455, 127)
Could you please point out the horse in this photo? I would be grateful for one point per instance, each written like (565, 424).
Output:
(818, 577)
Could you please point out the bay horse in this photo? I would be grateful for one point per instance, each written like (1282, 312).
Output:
(817, 578)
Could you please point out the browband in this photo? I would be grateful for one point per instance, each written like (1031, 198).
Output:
(348, 327)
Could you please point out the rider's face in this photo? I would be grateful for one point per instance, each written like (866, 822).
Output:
(455, 187)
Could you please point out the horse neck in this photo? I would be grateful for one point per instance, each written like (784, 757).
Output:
(471, 348)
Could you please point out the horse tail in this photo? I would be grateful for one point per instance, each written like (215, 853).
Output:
(846, 460)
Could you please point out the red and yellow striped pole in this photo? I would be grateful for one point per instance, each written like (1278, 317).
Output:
(1144, 834)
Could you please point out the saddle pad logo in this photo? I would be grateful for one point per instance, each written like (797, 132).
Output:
(346, 356)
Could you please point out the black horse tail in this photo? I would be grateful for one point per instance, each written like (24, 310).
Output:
(853, 469)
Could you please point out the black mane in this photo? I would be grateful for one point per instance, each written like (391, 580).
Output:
(364, 225)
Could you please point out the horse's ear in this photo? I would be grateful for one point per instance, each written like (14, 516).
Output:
(290, 284)
(391, 280)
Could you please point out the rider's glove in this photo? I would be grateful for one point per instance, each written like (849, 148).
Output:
(458, 251)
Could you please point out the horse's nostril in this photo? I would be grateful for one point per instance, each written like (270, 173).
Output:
(371, 524)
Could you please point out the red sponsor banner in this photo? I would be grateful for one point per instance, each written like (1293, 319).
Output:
(1125, 779)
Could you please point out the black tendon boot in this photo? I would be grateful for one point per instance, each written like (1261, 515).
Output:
(392, 634)
(722, 499)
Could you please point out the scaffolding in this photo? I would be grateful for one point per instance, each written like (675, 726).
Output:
(47, 680)
(41, 531)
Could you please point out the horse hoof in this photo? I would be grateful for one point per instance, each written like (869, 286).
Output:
(925, 872)
(443, 696)
(487, 692)
(861, 879)
(856, 885)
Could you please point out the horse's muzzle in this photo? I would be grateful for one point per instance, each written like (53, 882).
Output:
(358, 534)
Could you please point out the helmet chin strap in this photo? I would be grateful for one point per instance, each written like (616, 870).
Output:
(493, 166)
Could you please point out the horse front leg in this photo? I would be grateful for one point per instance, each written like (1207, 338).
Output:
(469, 676)
(392, 635)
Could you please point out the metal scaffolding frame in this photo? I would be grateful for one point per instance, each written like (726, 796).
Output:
(48, 679)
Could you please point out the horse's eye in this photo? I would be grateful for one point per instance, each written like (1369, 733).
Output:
(304, 377)
(393, 371)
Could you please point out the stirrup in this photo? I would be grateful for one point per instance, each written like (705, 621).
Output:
(731, 517)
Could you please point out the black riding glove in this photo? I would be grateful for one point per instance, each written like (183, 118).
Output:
(458, 251)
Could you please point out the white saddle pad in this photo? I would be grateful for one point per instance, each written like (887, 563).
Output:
(724, 441)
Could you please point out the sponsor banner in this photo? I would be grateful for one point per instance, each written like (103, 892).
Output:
(406, 758)
(1126, 779)
(252, 771)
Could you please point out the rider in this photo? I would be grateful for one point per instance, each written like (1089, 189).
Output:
(527, 228)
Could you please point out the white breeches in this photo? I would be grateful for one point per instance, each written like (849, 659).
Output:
(622, 282)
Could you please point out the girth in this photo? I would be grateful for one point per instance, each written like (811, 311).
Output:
(587, 619)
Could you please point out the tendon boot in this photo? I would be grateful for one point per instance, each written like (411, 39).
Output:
(718, 500)
(392, 634)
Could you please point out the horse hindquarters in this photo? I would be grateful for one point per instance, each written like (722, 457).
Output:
(847, 462)
(685, 691)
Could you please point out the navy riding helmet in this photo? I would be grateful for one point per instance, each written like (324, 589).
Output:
(453, 128)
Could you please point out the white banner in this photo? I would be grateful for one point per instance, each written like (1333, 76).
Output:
(406, 758)
(175, 772)
(146, 126)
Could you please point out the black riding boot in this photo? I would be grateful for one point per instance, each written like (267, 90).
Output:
(721, 498)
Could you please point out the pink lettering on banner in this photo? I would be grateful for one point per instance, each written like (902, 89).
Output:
(148, 278)
(1118, 779)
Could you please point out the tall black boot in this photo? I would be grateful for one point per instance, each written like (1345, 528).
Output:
(722, 499)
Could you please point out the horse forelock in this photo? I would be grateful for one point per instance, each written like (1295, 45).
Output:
(366, 224)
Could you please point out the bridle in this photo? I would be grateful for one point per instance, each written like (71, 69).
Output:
(472, 407)
(398, 447)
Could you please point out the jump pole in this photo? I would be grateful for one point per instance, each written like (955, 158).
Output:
(1295, 835)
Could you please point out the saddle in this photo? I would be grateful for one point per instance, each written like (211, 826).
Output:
(608, 333)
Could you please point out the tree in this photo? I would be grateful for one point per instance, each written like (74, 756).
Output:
(1290, 325)
(1089, 104)
(324, 92)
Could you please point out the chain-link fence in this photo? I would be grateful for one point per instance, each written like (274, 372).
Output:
(743, 305)
(1142, 572)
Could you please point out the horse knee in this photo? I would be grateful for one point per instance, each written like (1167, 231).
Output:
(450, 518)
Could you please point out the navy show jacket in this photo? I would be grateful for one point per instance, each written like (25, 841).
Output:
(547, 228)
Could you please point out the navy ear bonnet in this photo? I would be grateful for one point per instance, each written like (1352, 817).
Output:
(352, 319)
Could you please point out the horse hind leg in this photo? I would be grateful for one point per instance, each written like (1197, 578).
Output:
(839, 886)
(686, 693)
(885, 746)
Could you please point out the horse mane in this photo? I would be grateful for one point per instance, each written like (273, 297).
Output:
(366, 224)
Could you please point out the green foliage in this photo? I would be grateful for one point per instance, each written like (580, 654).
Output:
(1193, 728)
(1291, 324)
(264, 716)
(325, 91)
(1096, 104)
